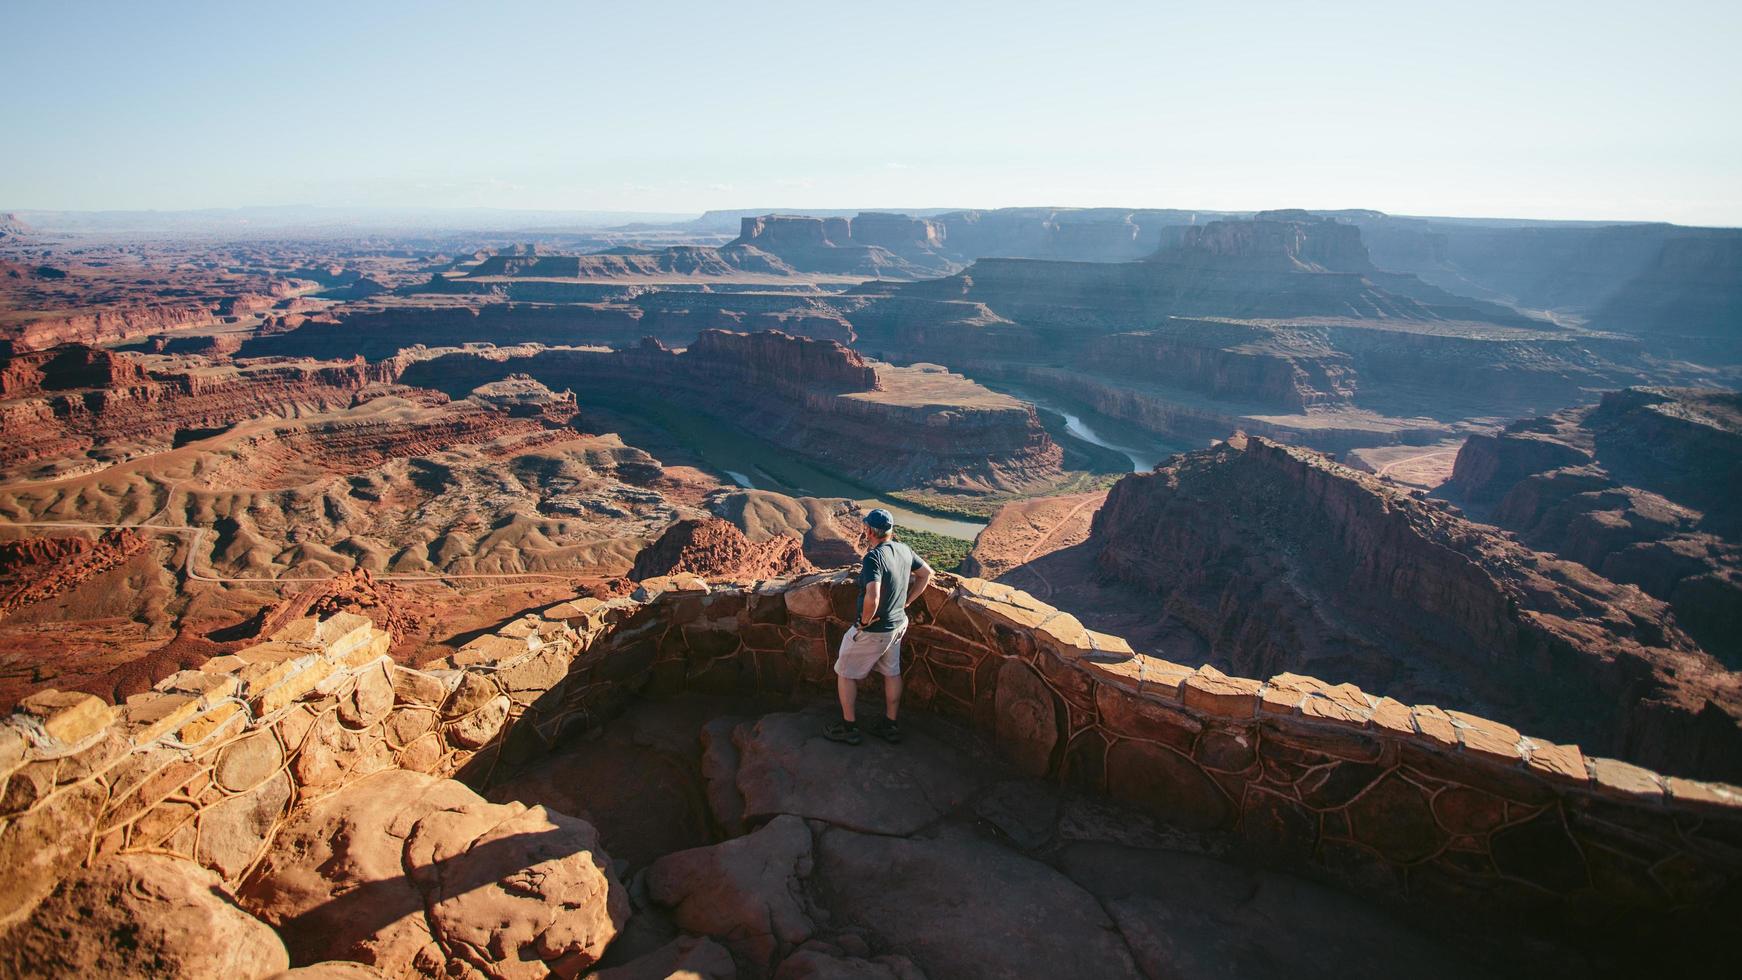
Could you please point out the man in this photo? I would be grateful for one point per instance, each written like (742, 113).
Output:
(890, 577)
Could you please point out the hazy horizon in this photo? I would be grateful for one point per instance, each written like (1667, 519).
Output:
(1587, 112)
(484, 219)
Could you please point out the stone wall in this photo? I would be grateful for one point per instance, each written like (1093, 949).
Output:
(1413, 802)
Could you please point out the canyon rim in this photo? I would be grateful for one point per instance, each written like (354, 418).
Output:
(445, 577)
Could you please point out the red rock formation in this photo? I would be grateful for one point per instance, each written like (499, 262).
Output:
(64, 368)
(1269, 559)
(379, 333)
(714, 548)
(773, 358)
(34, 569)
(1641, 489)
(60, 404)
(521, 396)
(104, 325)
(355, 591)
(890, 427)
(828, 526)
(245, 304)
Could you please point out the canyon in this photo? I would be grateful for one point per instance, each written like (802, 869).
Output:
(1639, 487)
(463, 601)
(889, 427)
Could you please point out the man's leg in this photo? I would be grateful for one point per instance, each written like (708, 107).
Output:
(889, 665)
(848, 689)
(857, 655)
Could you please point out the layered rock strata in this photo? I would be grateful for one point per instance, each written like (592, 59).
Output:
(1640, 488)
(1265, 558)
(880, 245)
(104, 326)
(1279, 326)
(74, 407)
(681, 261)
(887, 427)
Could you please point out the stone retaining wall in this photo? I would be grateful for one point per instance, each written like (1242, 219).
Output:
(1415, 802)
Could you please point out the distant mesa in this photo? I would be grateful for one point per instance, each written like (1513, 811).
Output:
(12, 226)
(1688, 298)
(693, 261)
(1281, 241)
(872, 245)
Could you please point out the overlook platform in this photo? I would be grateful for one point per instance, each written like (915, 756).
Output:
(656, 790)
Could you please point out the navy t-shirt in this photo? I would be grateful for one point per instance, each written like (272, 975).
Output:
(890, 564)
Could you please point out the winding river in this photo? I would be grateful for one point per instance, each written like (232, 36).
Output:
(1143, 449)
(755, 464)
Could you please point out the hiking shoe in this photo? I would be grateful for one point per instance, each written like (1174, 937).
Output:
(887, 730)
(840, 731)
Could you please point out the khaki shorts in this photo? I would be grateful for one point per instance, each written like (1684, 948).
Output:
(860, 651)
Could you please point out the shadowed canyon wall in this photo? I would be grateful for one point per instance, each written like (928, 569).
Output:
(1267, 558)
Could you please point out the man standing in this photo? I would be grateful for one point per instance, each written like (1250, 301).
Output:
(890, 577)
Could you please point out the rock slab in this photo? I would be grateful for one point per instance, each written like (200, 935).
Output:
(141, 915)
(414, 874)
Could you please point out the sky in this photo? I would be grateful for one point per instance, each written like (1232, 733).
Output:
(1591, 110)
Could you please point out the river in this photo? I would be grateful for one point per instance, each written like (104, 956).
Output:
(755, 464)
(1142, 448)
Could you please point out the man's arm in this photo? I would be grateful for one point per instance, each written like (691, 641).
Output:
(921, 578)
(871, 580)
(873, 593)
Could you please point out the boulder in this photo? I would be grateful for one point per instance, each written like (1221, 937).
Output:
(744, 892)
(141, 915)
(410, 873)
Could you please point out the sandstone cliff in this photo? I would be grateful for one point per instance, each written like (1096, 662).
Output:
(73, 407)
(1266, 559)
(1640, 488)
(888, 427)
(869, 245)
(1286, 241)
(685, 261)
(1688, 298)
(103, 326)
